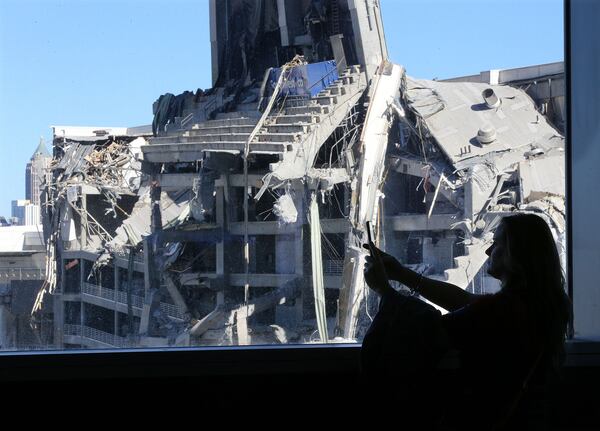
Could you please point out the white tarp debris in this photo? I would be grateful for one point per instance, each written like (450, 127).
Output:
(67, 228)
(317, 269)
(285, 209)
(132, 169)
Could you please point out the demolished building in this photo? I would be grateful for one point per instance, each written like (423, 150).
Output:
(238, 216)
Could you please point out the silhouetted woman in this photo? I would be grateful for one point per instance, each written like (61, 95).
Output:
(506, 340)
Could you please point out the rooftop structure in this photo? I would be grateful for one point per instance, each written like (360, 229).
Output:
(21, 239)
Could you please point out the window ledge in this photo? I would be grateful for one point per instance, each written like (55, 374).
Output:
(218, 361)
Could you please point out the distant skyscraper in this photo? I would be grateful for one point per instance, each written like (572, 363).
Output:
(27, 212)
(32, 215)
(18, 210)
(24, 213)
(35, 172)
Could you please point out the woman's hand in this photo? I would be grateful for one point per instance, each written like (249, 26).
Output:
(393, 268)
(375, 271)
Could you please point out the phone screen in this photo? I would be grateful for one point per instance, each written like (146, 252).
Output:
(369, 233)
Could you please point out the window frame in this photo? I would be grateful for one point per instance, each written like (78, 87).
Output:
(582, 111)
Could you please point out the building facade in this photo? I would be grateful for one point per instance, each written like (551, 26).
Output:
(22, 274)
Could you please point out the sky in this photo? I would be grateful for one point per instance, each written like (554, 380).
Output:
(104, 62)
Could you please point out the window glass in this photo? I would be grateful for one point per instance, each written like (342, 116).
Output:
(200, 173)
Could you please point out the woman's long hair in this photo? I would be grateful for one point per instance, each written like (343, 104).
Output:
(538, 278)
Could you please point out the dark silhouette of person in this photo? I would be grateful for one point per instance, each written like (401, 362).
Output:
(507, 341)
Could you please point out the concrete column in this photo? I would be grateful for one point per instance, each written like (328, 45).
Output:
(338, 52)
(148, 261)
(59, 320)
(116, 287)
(224, 216)
(287, 251)
(7, 327)
(81, 281)
(299, 254)
(147, 254)
(221, 221)
(84, 221)
(214, 44)
(439, 254)
(474, 199)
(59, 307)
(243, 335)
(368, 34)
(283, 27)
(285, 254)
(286, 315)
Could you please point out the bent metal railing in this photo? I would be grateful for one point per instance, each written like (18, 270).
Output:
(18, 273)
(94, 334)
(137, 301)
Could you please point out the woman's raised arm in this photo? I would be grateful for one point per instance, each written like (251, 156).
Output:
(446, 295)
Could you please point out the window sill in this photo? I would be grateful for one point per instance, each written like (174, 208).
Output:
(337, 359)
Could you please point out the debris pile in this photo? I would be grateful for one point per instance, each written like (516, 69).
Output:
(107, 169)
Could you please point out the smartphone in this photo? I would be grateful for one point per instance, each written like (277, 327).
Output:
(369, 236)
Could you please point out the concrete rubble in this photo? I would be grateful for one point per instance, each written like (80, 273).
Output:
(238, 216)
